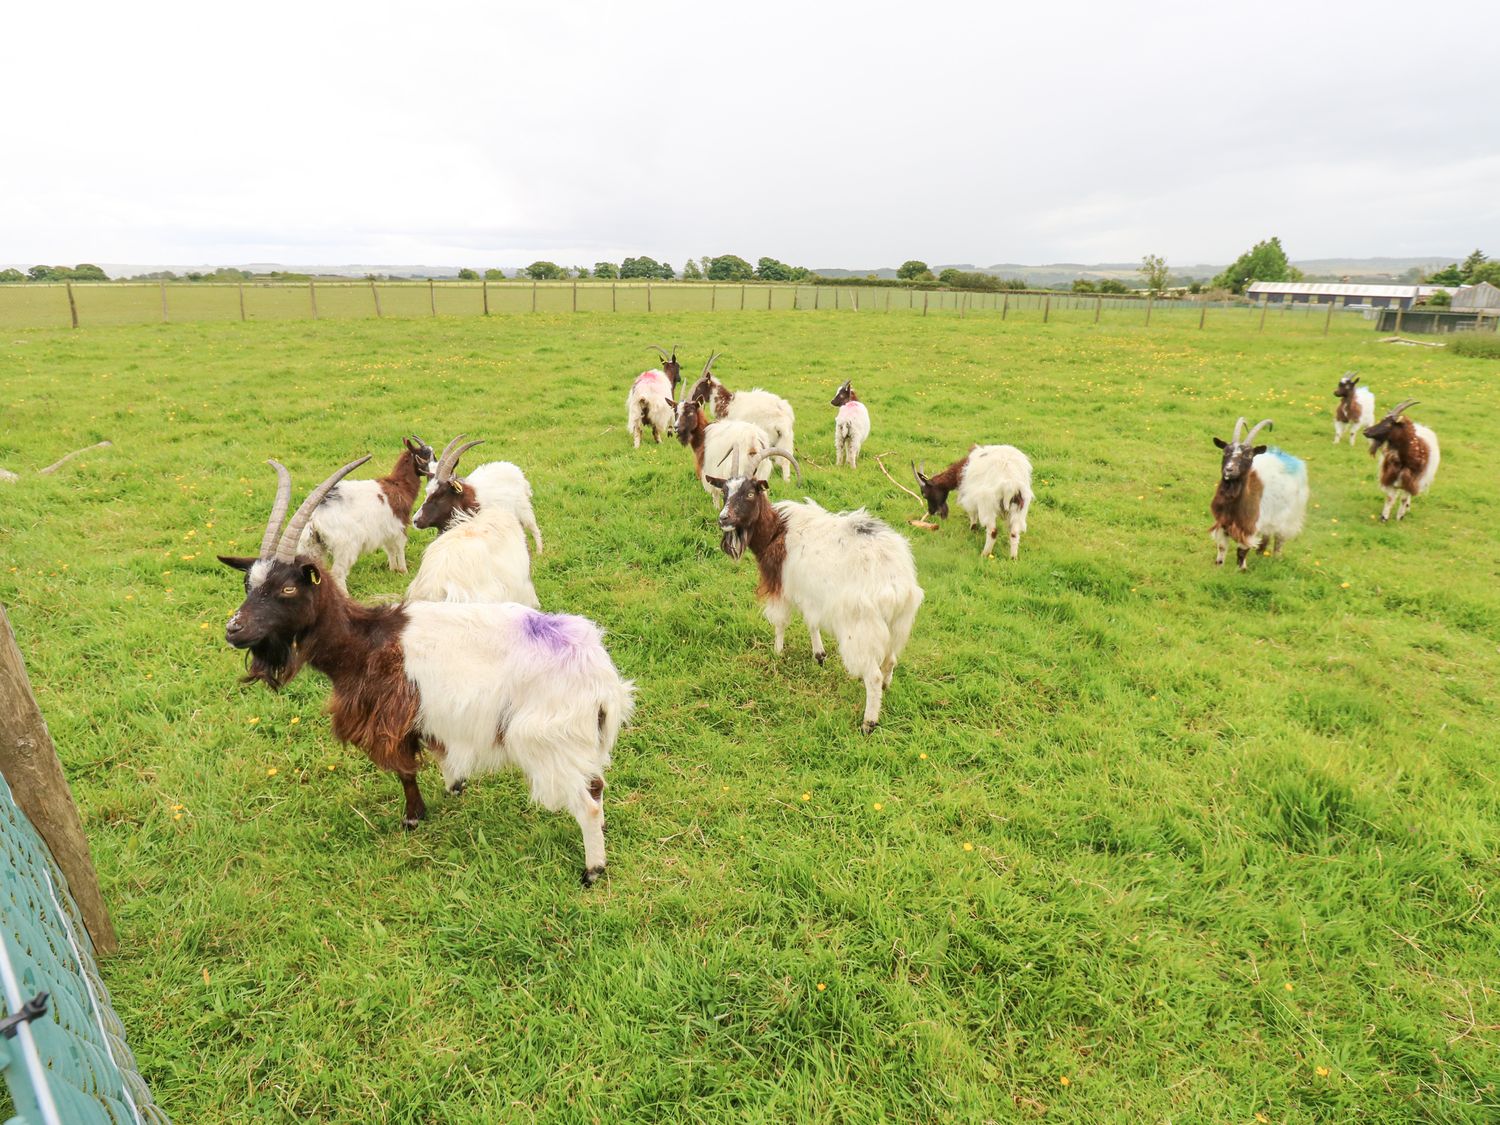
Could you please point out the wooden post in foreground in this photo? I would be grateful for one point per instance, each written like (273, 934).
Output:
(432, 296)
(29, 762)
(376, 294)
(72, 304)
(1047, 310)
(484, 288)
(242, 300)
(1202, 316)
(648, 298)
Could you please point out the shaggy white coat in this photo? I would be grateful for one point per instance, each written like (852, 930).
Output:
(721, 441)
(1424, 482)
(649, 403)
(851, 574)
(482, 557)
(771, 413)
(851, 426)
(1364, 399)
(353, 521)
(499, 484)
(1283, 502)
(996, 482)
(495, 694)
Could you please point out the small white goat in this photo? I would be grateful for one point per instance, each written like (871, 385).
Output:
(360, 516)
(1261, 498)
(991, 480)
(851, 426)
(770, 412)
(845, 571)
(495, 484)
(649, 402)
(716, 444)
(480, 557)
(1356, 408)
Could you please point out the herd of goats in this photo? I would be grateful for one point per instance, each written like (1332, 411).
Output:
(467, 666)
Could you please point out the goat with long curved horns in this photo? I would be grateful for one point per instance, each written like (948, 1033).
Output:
(495, 484)
(1261, 498)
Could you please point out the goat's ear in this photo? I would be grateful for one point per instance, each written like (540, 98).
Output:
(1220, 442)
(763, 485)
(456, 486)
(237, 562)
(312, 573)
(1259, 449)
(717, 482)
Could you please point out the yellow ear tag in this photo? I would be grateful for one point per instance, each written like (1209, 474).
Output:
(315, 578)
(456, 486)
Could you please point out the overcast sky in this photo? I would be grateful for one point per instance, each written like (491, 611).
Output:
(824, 134)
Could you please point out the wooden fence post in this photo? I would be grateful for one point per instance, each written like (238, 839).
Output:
(1005, 308)
(1265, 307)
(432, 296)
(770, 289)
(72, 304)
(925, 296)
(242, 300)
(1149, 299)
(1328, 320)
(1400, 308)
(817, 296)
(484, 288)
(742, 298)
(374, 292)
(312, 295)
(533, 295)
(713, 298)
(835, 297)
(164, 302)
(648, 298)
(1047, 310)
(575, 296)
(1098, 308)
(1202, 315)
(613, 307)
(31, 768)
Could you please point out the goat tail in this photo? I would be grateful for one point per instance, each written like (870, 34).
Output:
(616, 705)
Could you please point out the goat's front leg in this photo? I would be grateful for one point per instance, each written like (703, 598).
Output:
(778, 613)
(874, 689)
(1405, 506)
(1390, 501)
(395, 554)
(416, 810)
(1241, 554)
(990, 535)
(816, 636)
(587, 807)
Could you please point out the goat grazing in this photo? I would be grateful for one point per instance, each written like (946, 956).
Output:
(991, 480)
(481, 557)
(1410, 461)
(360, 516)
(483, 686)
(495, 484)
(845, 570)
(851, 426)
(649, 402)
(771, 413)
(1356, 408)
(1261, 497)
(714, 443)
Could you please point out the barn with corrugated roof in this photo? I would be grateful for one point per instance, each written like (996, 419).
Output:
(1348, 294)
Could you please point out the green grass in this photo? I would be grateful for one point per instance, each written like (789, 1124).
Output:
(1178, 835)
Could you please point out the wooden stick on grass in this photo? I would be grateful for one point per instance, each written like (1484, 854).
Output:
(52, 468)
(914, 522)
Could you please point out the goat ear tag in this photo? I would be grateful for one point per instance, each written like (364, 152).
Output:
(453, 484)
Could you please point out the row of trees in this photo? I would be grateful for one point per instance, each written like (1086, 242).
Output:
(1475, 268)
(725, 267)
(82, 272)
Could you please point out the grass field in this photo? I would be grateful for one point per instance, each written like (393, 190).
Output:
(1138, 838)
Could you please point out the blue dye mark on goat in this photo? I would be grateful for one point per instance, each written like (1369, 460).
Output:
(1294, 465)
(553, 631)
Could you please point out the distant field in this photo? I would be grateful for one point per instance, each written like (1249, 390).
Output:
(1138, 839)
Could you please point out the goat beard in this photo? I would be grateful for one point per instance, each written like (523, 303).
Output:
(733, 543)
(273, 663)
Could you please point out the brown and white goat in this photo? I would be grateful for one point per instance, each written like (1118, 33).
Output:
(851, 425)
(1355, 410)
(1261, 497)
(649, 402)
(991, 481)
(481, 685)
(360, 516)
(495, 484)
(715, 443)
(770, 412)
(1410, 460)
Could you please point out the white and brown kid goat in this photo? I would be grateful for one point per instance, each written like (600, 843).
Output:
(649, 402)
(1356, 408)
(770, 412)
(851, 426)
(843, 571)
(360, 516)
(1410, 458)
(993, 482)
(495, 484)
(483, 686)
(1261, 498)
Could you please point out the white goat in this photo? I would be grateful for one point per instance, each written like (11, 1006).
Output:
(717, 444)
(480, 557)
(770, 412)
(851, 426)
(991, 480)
(495, 484)
(1356, 408)
(360, 516)
(844, 571)
(1261, 498)
(649, 402)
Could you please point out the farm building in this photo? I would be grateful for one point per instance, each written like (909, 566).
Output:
(1339, 293)
(1483, 297)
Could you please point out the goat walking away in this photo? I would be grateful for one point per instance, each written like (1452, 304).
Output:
(1261, 497)
(1410, 461)
(649, 402)
(851, 426)
(482, 686)
(845, 571)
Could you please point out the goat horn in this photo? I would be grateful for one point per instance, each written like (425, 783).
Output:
(1250, 437)
(661, 351)
(710, 363)
(447, 449)
(1395, 411)
(763, 454)
(1238, 429)
(278, 509)
(286, 550)
(916, 472)
(446, 471)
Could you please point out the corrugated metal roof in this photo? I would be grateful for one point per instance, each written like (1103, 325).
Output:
(1335, 289)
(1481, 296)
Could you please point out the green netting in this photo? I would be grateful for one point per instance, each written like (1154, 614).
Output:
(69, 1066)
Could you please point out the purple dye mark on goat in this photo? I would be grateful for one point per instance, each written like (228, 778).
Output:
(557, 632)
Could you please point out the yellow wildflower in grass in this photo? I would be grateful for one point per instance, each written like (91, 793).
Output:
(331, 765)
(1262, 1118)
(822, 987)
(807, 796)
(968, 847)
(272, 771)
(295, 719)
(253, 719)
(877, 806)
(1343, 585)
(176, 816)
(1287, 986)
(1322, 1072)
(1065, 1081)
(923, 757)
(723, 789)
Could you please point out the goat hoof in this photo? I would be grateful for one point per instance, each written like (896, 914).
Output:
(457, 788)
(409, 823)
(591, 875)
(868, 725)
(820, 657)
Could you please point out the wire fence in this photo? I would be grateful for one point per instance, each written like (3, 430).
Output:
(111, 303)
(68, 1064)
